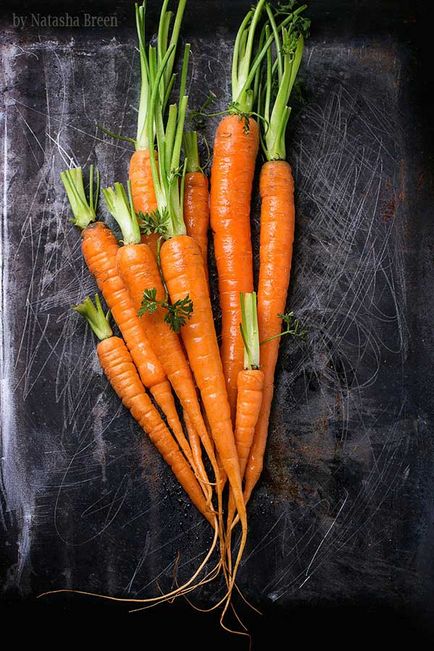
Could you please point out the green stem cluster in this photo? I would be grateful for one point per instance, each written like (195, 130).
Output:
(151, 59)
(83, 207)
(121, 208)
(281, 68)
(167, 173)
(94, 315)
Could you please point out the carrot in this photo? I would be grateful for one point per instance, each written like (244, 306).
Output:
(119, 368)
(277, 218)
(100, 250)
(140, 174)
(196, 196)
(236, 146)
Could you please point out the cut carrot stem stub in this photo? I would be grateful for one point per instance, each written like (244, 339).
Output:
(119, 368)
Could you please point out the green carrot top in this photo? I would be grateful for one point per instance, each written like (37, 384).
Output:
(83, 207)
(151, 58)
(120, 206)
(281, 68)
(168, 173)
(95, 316)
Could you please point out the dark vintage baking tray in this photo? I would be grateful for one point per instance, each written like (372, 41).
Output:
(341, 526)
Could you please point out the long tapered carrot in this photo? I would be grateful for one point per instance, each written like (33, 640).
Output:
(119, 368)
(236, 146)
(100, 250)
(277, 219)
(196, 196)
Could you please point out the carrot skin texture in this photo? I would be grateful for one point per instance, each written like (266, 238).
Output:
(232, 175)
(250, 388)
(276, 242)
(139, 271)
(196, 211)
(184, 273)
(118, 366)
(100, 250)
(142, 189)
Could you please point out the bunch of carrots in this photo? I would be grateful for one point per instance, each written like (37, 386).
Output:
(154, 281)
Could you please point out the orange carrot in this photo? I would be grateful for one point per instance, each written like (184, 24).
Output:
(277, 217)
(118, 366)
(236, 146)
(196, 197)
(100, 250)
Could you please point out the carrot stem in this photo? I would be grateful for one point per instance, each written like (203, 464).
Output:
(191, 151)
(121, 208)
(151, 59)
(94, 315)
(83, 207)
(249, 329)
(281, 74)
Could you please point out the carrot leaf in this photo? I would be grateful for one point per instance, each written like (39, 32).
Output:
(95, 317)
(178, 313)
(149, 302)
(293, 328)
(154, 222)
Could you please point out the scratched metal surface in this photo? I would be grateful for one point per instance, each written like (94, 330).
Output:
(343, 509)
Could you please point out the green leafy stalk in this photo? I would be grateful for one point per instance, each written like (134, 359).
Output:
(191, 151)
(177, 313)
(151, 59)
(83, 208)
(94, 315)
(167, 173)
(121, 208)
(250, 330)
(242, 78)
(280, 76)
(293, 327)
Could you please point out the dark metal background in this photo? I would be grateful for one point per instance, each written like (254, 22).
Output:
(343, 515)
